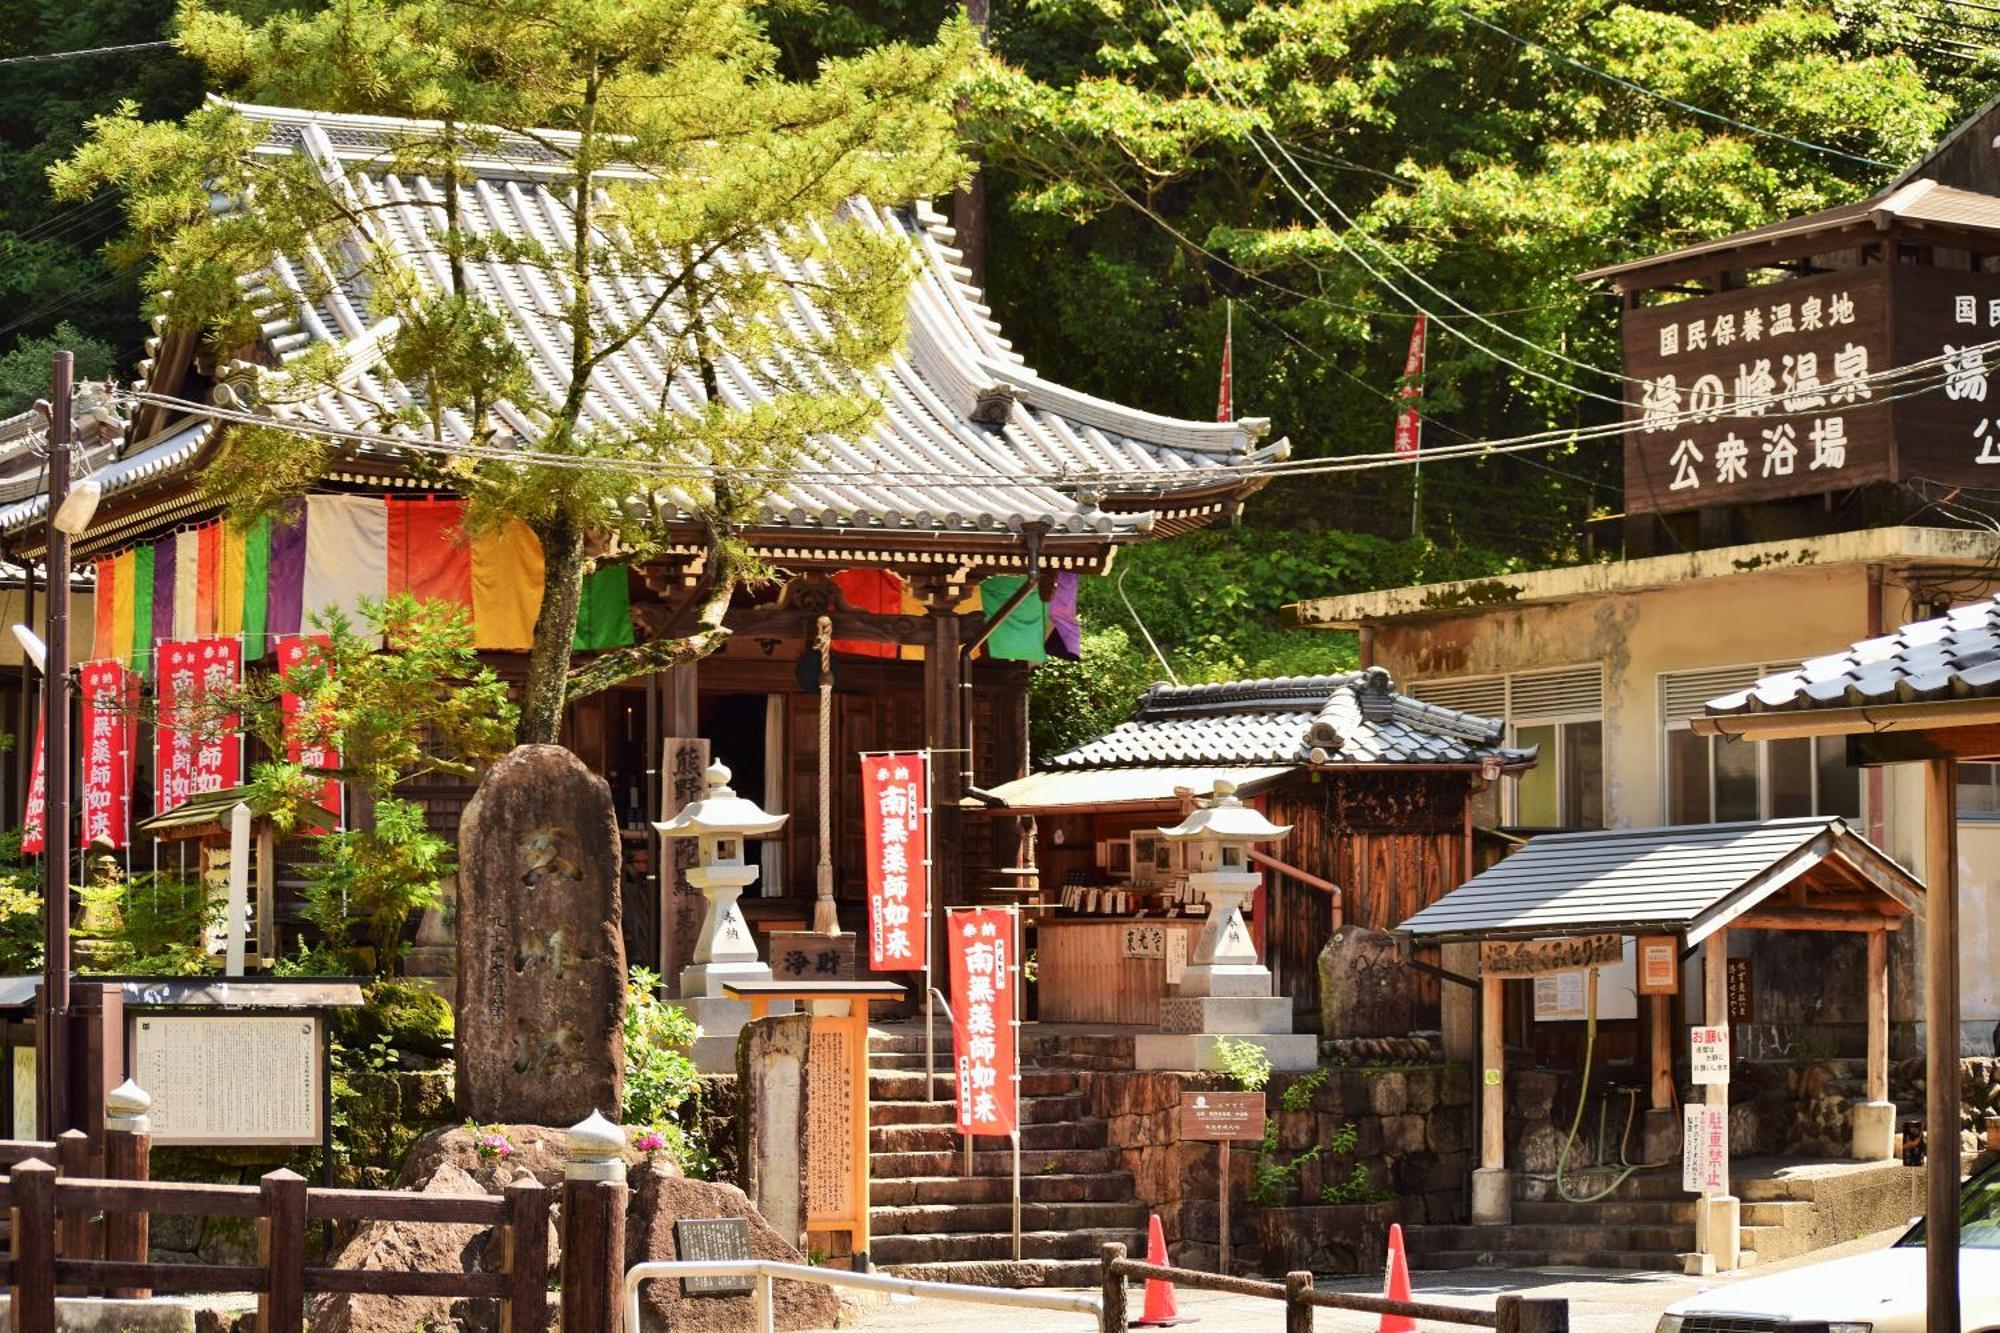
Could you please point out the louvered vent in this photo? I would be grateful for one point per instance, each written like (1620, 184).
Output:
(1685, 694)
(1568, 693)
(1482, 696)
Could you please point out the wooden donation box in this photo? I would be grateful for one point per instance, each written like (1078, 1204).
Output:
(836, 1166)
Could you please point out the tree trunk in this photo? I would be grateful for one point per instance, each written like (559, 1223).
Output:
(555, 633)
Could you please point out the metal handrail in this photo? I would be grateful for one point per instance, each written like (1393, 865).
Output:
(765, 1271)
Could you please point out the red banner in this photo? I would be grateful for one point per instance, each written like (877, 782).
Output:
(1409, 422)
(309, 743)
(34, 829)
(985, 976)
(110, 740)
(895, 801)
(193, 753)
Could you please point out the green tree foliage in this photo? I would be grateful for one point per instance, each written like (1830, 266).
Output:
(678, 143)
(662, 1086)
(24, 369)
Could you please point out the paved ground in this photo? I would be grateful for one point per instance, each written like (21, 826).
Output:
(1601, 1301)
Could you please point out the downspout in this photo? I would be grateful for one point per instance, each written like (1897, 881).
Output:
(1032, 535)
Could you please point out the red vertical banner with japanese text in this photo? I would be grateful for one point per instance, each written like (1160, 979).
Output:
(193, 751)
(985, 978)
(309, 740)
(110, 740)
(34, 825)
(1409, 421)
(895, 802)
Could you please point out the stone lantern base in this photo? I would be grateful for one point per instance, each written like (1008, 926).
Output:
(1190, 1027)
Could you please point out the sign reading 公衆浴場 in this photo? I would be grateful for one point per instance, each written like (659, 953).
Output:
(1776, 390)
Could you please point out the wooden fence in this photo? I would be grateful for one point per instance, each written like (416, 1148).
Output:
(1511, 1313)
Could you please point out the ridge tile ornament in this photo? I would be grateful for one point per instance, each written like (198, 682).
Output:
(725, 951)
(1225, 990)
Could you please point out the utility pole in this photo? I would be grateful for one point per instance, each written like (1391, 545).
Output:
(53, 1117)
(968, 210)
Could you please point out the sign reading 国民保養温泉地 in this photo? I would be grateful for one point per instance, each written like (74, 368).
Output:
(1767, 392)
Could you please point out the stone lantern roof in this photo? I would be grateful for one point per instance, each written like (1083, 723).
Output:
(1225, 819)
(720, 811)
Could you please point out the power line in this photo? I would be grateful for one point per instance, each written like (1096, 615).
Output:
(1690, 107)
(45, 56)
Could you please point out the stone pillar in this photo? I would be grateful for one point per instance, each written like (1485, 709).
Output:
(771, 1056)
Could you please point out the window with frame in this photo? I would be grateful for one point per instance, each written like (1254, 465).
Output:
(1716, 780)
(1561, 714)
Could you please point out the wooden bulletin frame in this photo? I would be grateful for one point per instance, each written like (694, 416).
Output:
(1659, 959)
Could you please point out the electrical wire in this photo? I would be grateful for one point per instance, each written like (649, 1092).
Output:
(45, 56)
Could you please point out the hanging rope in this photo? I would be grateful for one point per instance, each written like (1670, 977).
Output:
(826, 920)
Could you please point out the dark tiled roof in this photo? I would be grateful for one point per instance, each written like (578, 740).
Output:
(1355, 718)
(1956, 656)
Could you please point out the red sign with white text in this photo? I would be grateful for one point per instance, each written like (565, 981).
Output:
(985, 976)
(34, 830)
(309, 741)
(110, 739)
(1409, 421)
(192, 752)
(895, 803)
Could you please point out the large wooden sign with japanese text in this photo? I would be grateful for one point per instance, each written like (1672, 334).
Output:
(244, 1080)
(1766, 392)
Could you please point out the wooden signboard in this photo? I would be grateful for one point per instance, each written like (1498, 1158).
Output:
(714, 1238)
(1742, 991)
(245, 1080)
(683, 761)
(1760, 392)
(1659, 965)
(804, 955)
(1223, 1116)
(1527, 958)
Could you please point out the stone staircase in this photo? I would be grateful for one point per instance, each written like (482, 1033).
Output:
(1647, 1224)
(931, 1220)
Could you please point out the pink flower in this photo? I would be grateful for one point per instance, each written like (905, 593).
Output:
(651, 1141)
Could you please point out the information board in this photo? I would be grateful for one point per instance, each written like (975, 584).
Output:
(231, 1079)
(1143, 939)
(1705, 1148)
(1708, 1054)
(1223, 1115)
(713, 1238)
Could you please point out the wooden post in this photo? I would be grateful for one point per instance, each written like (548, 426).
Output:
(34, 1223)
(593, 1228)
(1298, 1311)
(1878, 1015)
(281, 1248)
(525, 1309)
(1941, 1090)
(128, 1155)
(943, 721)
(1222, 1189)
(1113, 1318)
(1717, 1229)
(1492, 1191)
(74, 1228)
(1530, 1314)
(1660, 1019)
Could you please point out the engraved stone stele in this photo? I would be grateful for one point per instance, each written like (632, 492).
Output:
(1365, 989)
(721, 823)
(771, 1056)
(541, 952)
(1225, 990)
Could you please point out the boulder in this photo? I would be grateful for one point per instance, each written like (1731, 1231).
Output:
(1365, 989)
(428, 1246)
(541, 949)
(537, 1151)
(659, 1199)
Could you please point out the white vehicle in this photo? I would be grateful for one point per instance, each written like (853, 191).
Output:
(1881, 1292)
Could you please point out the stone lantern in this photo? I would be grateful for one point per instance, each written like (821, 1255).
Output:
(1225, 990)
(722, 823)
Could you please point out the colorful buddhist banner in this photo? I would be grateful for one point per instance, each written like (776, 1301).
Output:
(308, 740)
(34, 829)
(110, 743)
(895, 803)
(984, 982)
(192, 752)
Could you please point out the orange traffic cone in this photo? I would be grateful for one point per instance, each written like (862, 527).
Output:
(1159, 1311)
(1398, 1286)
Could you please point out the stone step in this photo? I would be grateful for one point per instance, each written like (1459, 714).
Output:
(995, 1162)
(1578, 1239)
(1609, 1212)
(1663, 1185)
(932, 1248)
(1638, 1261)
(1775, 1212)
(998, 1218)
(1098, 1187)
(943, 1138)
(1779, 1242)
(902, 1085)
(1034, 1111)
(1007, 1273)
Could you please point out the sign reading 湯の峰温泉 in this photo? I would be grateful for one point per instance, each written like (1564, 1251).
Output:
(713, 1238)
(1708, 1054)
(1527, 958)
(1779, 390)
(895, 812)
(1236, 1116)
(1704, 1147)
(249, 1080)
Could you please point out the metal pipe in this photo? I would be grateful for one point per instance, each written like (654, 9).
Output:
(55, 770)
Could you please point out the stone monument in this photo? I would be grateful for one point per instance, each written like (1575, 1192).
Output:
(725, 951)
(1365, 989)
(541, 951)
(1225, 990)
(771, 1057)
